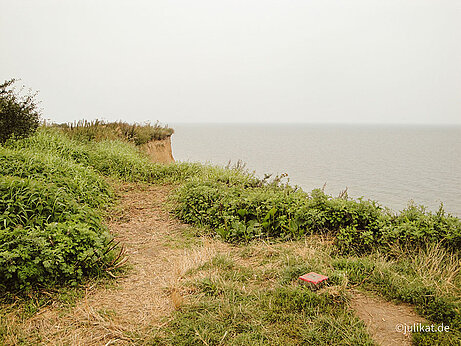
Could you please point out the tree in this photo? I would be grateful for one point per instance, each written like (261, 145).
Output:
(19, 115)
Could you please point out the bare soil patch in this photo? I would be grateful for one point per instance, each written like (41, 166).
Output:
(384, 319)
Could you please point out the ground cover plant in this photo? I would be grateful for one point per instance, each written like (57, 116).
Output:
(53, 196)
(241, 208)
(55, 192)
(51, 204)
(51, 226)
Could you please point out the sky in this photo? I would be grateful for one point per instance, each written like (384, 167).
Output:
(257, 61)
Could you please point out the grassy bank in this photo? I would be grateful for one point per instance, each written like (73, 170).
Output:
(100, 130)
(55, 195)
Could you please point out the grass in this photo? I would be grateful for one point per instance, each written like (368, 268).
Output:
(56, 189)
(17, 313)
(98, 130)
(51, 227)
(109, 158)
(251, 295)
(235, 303)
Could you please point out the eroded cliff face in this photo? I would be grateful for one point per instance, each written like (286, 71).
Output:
(159, 150)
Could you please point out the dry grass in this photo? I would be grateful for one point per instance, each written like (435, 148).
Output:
(164, 261)
(124, 312)
(438, 267)
(98, 130)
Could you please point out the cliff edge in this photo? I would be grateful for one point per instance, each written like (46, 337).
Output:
(159, 150)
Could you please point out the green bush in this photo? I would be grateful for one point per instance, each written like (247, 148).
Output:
(46, 236)
(52, 193)
(413, 227)
(240, 207)
(51, 229)
(19, 116)
(58, 252)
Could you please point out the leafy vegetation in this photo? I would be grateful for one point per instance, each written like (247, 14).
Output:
(234, 202)
(54, 193)
(51, 230)
(241, 208)
(19, 115)
(112, 158)
(374, 248)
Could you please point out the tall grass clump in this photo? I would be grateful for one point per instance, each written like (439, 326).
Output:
(114, 158)
(98, 130)
(82, 182)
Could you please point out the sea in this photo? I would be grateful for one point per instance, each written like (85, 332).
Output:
(393, 165)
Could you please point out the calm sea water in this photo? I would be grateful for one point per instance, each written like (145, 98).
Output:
(391, 165)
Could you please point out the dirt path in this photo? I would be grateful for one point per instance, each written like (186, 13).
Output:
(127, 311)
(131, 309)
(385, 321)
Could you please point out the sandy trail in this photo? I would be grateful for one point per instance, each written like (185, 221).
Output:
(385, 321)
(127, 311)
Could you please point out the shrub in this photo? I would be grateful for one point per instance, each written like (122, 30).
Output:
(19, 116)
(240, 208)
(56, 253)
(46, 236)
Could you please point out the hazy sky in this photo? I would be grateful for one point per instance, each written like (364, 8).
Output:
(343, 61)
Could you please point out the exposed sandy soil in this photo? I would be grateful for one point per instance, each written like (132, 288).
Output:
(384, 319)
